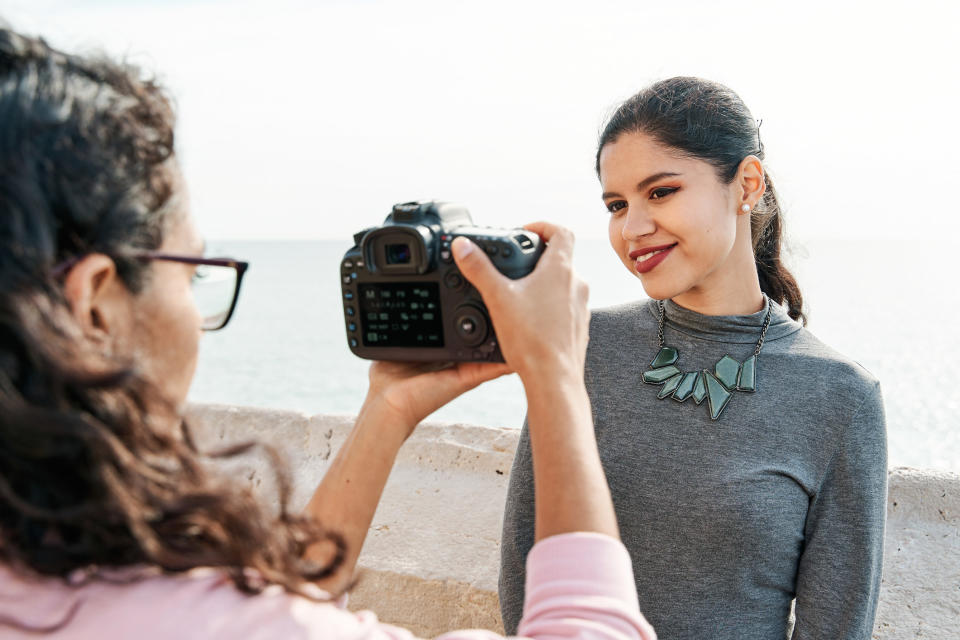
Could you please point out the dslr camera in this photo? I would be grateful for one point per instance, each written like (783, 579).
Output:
(403, 296)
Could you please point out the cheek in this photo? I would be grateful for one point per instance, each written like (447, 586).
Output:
(619, 245)
(174, 336)
(710, 231)
(186, 324)
(615, 234)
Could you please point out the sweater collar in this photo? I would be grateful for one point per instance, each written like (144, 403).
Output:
(737, 329)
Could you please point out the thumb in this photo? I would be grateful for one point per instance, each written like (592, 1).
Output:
(476, 266)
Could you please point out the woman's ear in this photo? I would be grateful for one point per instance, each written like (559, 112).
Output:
(98, 299)
(750, 177)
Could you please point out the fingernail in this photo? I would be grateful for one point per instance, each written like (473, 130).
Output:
(462, 247)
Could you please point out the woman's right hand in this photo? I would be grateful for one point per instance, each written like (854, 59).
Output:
(541, 320)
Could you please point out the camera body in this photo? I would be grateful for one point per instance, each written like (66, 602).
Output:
(403, 296)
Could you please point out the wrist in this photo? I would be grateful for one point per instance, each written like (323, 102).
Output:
(551, 367)
(557, 388)
(380, 418)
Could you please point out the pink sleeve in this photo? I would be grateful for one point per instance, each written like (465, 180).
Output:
(579, 585)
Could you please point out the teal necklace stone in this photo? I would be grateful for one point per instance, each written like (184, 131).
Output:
(717, 386)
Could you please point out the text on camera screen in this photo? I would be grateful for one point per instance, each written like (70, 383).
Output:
(403, 314)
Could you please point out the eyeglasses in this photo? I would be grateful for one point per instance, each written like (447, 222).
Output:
(215, 285)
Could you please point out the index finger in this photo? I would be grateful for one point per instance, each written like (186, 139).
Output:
(559, 238)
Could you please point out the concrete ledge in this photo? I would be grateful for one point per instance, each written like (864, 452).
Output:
(920, 596)
(430, 560)
(426, 607)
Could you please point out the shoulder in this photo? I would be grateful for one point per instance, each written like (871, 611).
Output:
(813, 357)
(624, 328)
(626, 317)
(830, 389)
(203, 603)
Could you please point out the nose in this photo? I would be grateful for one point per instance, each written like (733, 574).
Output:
(637, 223)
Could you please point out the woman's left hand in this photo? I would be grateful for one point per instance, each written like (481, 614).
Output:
(401, 395)
(412, 391)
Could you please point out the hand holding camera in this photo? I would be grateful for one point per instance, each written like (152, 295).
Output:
(542, 320)
(404, 297)
(427, 286)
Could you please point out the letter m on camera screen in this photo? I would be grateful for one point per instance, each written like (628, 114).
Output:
(401, 314)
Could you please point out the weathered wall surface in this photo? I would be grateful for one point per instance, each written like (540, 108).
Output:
(430, 560)
(920, 596)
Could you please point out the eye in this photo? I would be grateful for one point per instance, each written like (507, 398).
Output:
(614, 206)
(662, 192)
(201, 273)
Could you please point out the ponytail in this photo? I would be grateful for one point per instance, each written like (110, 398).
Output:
(766, 225)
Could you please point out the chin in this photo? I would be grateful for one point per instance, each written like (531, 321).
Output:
(658, 284)
(659, 288)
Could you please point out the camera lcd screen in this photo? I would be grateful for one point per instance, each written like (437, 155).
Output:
(401, 314)
(398, 253)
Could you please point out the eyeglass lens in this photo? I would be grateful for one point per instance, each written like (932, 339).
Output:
(213, 291)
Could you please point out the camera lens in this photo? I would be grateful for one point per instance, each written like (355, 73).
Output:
(398, 253)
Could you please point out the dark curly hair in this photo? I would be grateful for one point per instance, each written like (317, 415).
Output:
(91, 474)
(709, 121)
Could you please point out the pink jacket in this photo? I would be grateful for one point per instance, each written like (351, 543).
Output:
(579, 585)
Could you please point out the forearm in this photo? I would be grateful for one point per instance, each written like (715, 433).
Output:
(570, 486)
(347, 497)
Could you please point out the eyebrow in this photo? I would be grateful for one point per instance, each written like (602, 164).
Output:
(643, 184)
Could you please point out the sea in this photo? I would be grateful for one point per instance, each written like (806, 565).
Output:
(893, 311)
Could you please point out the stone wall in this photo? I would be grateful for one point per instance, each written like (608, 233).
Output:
(430, 560)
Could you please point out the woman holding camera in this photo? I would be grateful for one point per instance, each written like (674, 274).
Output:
(112, 524)
(747, 460)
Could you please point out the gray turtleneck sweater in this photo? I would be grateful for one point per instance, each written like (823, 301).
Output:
(728, 521)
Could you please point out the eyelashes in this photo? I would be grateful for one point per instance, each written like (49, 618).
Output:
(616, 206)
(662, 192)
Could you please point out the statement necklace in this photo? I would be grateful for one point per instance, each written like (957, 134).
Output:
(716, 387)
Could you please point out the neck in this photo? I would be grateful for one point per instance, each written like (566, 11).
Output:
(731, 290)
(716, 303)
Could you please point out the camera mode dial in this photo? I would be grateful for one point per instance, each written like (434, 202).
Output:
(471, 324)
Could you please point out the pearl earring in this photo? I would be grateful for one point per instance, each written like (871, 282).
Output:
(745, 208)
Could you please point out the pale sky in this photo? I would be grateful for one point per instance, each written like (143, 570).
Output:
(309, 119)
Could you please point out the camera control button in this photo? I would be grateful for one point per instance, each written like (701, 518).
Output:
(348, 295)
(506, 251)
(471, 325)
(453, 280)
(353, 343)
(524, 242)
(492, 249)
(347, 264)
(446, 256)
(346, 280)
(351, 311)
(352, 326)
(478, 355)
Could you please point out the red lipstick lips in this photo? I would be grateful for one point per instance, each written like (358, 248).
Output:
(649, 257)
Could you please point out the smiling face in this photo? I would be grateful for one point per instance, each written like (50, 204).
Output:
(676, 225)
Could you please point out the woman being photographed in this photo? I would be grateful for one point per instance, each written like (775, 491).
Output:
(747, 460)
(112, 524)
